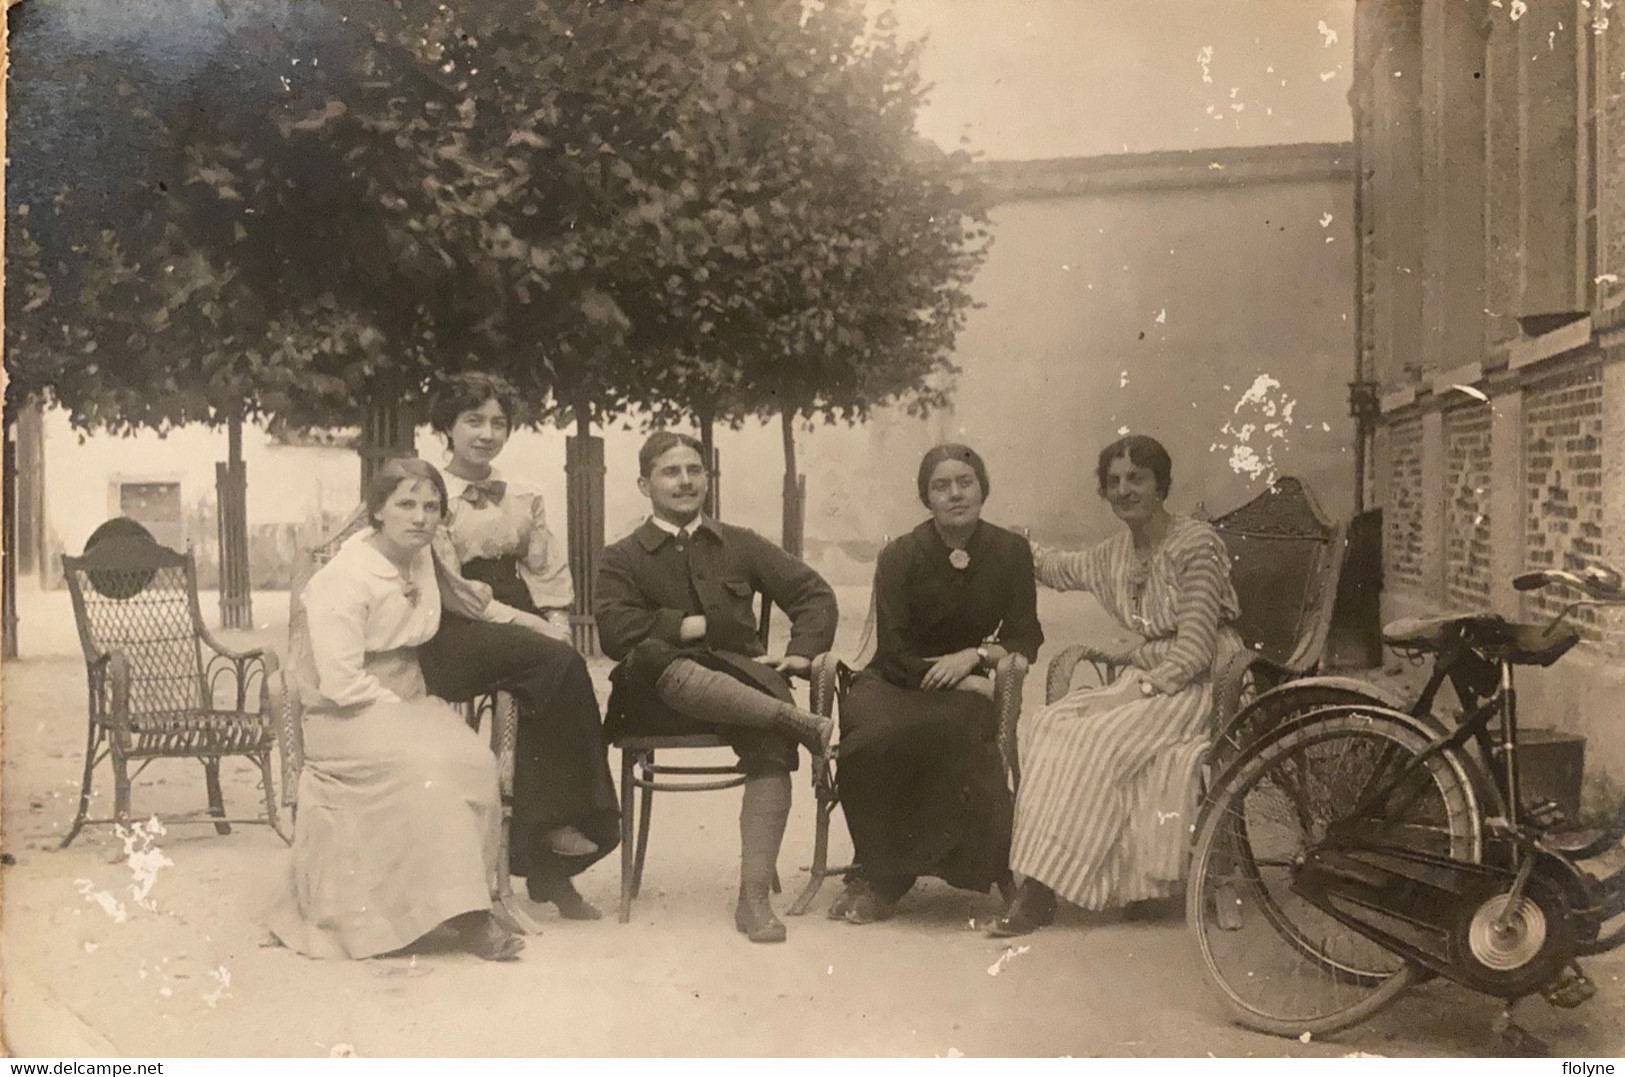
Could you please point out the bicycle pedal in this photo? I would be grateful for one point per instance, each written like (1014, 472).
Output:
(1547, 815)
(1571, 988)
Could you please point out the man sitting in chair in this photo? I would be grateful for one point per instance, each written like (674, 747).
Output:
(674, 608)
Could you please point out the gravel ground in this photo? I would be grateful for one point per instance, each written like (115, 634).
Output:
(192, 972)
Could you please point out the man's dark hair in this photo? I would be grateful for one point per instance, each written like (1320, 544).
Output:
(662, 442)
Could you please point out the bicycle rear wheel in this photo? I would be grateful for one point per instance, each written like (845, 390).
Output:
(1280, 964)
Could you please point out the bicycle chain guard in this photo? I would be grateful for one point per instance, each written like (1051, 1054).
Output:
(1445, 915)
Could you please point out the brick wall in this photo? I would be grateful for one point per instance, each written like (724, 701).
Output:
(1563, 513)
(1468, 485)
(1403, 553)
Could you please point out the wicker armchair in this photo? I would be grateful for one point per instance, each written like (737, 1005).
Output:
(161, 686)
(498, 711)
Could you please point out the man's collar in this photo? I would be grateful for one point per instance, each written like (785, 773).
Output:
(655, 531)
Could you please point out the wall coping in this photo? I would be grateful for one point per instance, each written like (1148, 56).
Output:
(1165, 170)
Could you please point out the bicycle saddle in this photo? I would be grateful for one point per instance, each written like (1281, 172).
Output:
(1489, 633)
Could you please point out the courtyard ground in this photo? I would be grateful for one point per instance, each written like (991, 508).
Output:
(89, 971)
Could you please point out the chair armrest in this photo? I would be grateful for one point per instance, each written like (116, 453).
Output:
(1009, 677)
(240, 667)
(288, 715)
(1271, 674)
(226, 652)
(1229, 681)
(1058, 682)
(822, 678)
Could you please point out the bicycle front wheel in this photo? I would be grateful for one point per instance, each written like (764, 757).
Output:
(1280, 964)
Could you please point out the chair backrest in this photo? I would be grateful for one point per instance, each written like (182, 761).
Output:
(305, 566)
(136, 597)
(1285, 555)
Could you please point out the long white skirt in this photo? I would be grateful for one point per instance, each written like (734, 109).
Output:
(396, 830)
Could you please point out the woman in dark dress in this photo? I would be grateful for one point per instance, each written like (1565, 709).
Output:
(922, 783)
(511, 632)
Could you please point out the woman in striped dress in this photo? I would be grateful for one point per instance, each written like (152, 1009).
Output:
(1104, 806)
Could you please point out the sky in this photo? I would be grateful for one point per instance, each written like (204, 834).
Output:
(1025, 79)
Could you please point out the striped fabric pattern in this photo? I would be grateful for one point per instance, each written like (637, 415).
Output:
(1106, 800)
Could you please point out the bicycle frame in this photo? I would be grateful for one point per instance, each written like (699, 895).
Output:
(1456, 665)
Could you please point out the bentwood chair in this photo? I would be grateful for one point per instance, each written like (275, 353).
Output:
(642, 777)
(497, 711)
(161, 686)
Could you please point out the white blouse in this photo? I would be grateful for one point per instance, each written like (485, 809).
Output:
(517, 527)
(358, 604)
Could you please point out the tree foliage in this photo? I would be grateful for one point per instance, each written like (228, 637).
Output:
(709, 210)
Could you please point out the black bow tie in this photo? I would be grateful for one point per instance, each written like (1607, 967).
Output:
(486, 490)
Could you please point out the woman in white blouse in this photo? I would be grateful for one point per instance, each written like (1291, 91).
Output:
(398, 797)
(510, 631)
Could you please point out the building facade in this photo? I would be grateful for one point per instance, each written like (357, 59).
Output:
(1491, 366)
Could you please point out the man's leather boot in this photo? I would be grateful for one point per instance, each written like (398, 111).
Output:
(762, 814)
(692, 689)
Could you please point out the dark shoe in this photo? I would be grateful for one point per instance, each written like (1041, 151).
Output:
(1154, 909)
(843, 904)
(563, 893)
(570, 841)
(753, 915)
(1033, 908)
(869, 907)
(488, 940)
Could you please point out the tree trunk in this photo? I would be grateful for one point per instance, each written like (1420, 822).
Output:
(231, 494)
(8, 545)
(794, 497)
(584, 523)
(713, 496)
(388, 430)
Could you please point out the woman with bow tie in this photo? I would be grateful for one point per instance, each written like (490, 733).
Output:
(507, 627)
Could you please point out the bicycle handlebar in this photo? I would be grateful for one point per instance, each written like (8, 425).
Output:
(1599, 582)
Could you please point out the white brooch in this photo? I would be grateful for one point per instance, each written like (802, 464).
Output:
(959, 559)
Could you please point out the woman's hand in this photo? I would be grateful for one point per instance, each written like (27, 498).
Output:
(950, 669)
(791, 665)
(542, 627)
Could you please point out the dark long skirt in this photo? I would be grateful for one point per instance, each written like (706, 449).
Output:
(635, 705)
(561, 766)
(922, 785)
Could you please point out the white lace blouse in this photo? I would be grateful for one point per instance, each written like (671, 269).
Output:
(479, 526)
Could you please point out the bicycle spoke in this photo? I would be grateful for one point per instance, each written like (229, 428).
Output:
(1280, 963)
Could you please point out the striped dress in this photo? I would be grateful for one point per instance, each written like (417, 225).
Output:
(1106, 800)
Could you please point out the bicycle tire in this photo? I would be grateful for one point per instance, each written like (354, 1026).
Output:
(1291, 968)
(1269, 712)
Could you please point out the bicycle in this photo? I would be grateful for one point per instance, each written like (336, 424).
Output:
(1358, 848)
